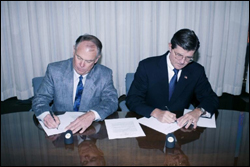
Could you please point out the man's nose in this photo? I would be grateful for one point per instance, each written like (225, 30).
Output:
(183, 60)
(82, 64)
(87, 157)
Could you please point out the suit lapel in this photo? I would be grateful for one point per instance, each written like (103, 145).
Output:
(183, 82)
(88, 91)
(163, 68)
(68, 82)
(161, 76)
(87, 94)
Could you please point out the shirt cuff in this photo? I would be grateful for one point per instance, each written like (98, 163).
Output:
(41, 116)
(97, 116)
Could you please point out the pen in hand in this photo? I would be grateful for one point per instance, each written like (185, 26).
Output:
(53, 117)
(170, 111)
(176, 119)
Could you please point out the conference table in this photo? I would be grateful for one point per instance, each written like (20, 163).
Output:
(25, 143)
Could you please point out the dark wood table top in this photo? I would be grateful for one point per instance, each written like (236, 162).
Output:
(24, 143)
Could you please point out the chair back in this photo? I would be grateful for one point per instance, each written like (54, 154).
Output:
(36, 82)
(128, 81)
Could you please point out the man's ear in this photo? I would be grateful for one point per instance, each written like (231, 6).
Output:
(98, 57)
(74, 50)
(170, 47)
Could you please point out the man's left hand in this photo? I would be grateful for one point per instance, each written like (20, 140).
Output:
(81, 123)
(189, 118)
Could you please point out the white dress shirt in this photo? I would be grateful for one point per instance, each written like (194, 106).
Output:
(171, 70)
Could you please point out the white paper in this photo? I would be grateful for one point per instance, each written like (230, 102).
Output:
(169, 128)
(204, 122)
(159, 126)
(123, 128)
(65, 120)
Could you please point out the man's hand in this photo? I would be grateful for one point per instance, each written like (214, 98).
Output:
(81, 123)
(189, 118)
(164, 116)
(50, 123)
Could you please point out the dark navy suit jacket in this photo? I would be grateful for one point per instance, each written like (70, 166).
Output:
(150, 88)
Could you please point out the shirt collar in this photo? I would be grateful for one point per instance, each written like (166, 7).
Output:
(169, 64)
(76, 75)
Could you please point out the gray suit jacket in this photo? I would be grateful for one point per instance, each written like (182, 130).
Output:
(99, 93)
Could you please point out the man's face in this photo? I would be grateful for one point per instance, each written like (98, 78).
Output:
(85, 57)
(180, 57)
(90, 155)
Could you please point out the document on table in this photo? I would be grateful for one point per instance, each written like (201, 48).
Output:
(166, 128)
(204, 122)
(123, 128)
(65, 120)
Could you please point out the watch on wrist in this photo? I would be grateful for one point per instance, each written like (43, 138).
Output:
(203, 111)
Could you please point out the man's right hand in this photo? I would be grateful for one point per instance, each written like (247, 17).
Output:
(49, 121)
(164, 116)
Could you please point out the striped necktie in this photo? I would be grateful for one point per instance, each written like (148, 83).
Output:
(78, 94)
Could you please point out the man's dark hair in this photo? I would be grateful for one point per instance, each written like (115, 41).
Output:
(186, 39)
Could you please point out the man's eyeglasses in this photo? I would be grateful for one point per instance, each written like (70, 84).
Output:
(178, 56)
(81, 59)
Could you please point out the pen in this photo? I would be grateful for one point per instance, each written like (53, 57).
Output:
(53, 116)
(176, 120)
(170, 111)
(167, 108)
